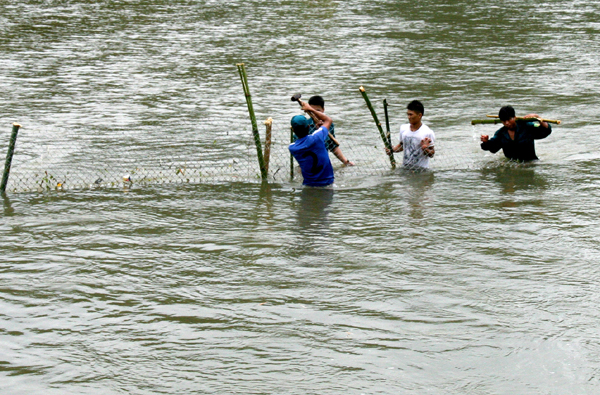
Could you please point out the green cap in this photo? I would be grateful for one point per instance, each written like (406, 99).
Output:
(299, 121)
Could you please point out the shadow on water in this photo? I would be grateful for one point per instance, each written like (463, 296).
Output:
(418, 185)
(313, 209)
(8, 209)
(516, 178)
(265, 199)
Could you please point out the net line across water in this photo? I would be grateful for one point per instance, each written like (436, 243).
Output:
(222, 152)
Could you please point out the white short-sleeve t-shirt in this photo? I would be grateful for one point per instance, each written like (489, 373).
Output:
(411, 142)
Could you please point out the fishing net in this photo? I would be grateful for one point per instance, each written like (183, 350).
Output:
(218, 153)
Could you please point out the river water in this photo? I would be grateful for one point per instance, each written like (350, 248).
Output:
(479, 279)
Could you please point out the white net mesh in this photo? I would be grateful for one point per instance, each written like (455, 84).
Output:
(224, 152)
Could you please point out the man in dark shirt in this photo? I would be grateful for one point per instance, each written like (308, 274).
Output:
(318, 103)
(515, 138)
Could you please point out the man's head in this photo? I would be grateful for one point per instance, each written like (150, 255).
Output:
(415, 111)
(317, 102)
(508, 117)
(416, 106)
(506, 113)
(300, 126)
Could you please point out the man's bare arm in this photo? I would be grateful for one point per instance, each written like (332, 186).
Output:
(322, 117)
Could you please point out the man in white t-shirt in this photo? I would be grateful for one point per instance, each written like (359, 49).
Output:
(416, 139)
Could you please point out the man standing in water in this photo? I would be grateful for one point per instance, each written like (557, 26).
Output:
(416, 139)
(318, 103)
(309, 150)
(515, 138)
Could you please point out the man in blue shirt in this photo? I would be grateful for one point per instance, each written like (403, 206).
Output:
(516, 138)
(309, 150)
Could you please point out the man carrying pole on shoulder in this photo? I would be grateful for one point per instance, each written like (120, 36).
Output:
(309, 150)
(516, 138)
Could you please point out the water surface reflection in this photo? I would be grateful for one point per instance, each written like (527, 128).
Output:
(419, 185)
(512, 179)
(7, 205)
(313, 211)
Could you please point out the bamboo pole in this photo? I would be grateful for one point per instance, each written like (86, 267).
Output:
(493, 121)
(9, 155)
(555, 121)
(269, 125)
(484, 121)
(261, 160)
(387, 121)
(386, 142)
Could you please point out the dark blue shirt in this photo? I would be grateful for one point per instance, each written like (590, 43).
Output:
(522, 148)
(312, 156)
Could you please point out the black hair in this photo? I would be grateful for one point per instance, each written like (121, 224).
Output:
(416, 106)
(301, 131)
(506, 113)
(317, 101)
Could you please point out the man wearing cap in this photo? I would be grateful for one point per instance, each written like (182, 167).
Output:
(516, 138)
(309, 150)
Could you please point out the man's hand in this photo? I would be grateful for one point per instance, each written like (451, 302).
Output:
(317, 116)
(485, 138)
(395, 148)
(305, 106)
(425, 143)
(427, 147)
(539, 118)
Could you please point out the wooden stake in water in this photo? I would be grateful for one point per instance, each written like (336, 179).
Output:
(259, 153)
(269, 125)
(9, 156)
(386, 142)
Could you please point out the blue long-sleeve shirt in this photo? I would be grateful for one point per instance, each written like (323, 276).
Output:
(312, 156)
(522, 148)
